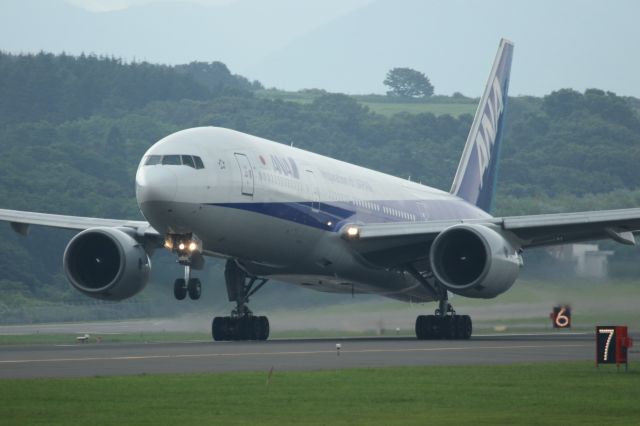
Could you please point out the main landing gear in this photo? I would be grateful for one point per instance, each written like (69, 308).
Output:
(241, 324)
(445, 324)
(188, 249)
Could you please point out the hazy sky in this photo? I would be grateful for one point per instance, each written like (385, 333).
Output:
(349, 45)
(109, 5)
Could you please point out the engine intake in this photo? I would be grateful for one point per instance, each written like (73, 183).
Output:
(474, 261)
(106, 263)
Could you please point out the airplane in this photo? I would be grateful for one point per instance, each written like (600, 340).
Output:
(276, 212)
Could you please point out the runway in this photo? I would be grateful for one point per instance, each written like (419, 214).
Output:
(93, 359)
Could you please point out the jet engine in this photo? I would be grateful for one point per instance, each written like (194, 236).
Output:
(474, 261)
(106, 263)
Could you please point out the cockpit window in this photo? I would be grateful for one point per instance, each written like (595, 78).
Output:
(152, 160)
(174, 160)
(198, 160)
(188, 161)
(171, 160)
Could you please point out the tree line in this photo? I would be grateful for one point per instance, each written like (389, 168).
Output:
(73, 129)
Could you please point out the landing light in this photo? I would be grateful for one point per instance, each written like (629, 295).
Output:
(183, 244)
(352, 232)
(168, 243)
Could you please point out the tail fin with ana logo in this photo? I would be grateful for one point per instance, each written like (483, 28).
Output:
(475, 178)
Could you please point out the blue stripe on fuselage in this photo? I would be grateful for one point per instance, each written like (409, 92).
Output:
(331, 216)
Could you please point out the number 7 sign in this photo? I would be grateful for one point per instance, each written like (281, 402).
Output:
(612, 344)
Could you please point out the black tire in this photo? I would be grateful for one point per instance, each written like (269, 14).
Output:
(456, 321)
(263, 328)
(218, 329)
(231, 328)
(465, 327)
(447, 327)
(245, 328)
(256, 325)
(421, 327)
(432, 327)
(179, 289)
(194, 288)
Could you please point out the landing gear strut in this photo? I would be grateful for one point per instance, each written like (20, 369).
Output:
(241, 324)
(445, 324)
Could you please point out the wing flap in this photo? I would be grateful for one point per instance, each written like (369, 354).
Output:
(630, 217)
(563, 228)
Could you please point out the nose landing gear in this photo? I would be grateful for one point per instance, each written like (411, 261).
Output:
(187, 285)
(188, 248)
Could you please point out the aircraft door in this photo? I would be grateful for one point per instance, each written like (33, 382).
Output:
(246, 173)
(315, 193)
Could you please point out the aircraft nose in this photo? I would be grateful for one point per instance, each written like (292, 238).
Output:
(155, 183)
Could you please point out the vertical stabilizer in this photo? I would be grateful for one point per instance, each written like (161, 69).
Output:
(475, 179)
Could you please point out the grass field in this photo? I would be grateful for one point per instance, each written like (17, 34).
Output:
(384, 106)
(68, 338)
(389, 109)
(567, 393)
(524, 308)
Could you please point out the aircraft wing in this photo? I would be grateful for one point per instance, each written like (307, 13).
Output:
(392, 244)
(21, 220)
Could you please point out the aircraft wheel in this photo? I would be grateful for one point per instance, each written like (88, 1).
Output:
(455, 330)
(432, 326)
(465, 327)
(263, 328)
(194, 288)
(423, 326)
(231, 328)
(180, 289)
(256, 328)
(218, 329)
(246, 328)
(448, 327)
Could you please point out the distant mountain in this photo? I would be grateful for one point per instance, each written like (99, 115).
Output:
(569, 43)
(349, 45)
(238, 34)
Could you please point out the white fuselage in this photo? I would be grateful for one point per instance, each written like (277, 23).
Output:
(279, 209)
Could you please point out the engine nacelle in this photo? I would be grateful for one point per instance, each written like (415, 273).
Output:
(474, 261)
(106, 263)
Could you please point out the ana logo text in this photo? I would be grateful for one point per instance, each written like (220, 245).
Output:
(285, 166)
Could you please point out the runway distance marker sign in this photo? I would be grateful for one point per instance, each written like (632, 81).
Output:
(561, 316)
(612, 345)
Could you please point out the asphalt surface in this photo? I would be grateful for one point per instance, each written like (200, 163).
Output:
(99, 359)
